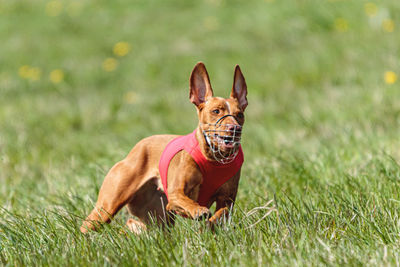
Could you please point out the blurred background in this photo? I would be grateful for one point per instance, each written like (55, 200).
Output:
(82, 81)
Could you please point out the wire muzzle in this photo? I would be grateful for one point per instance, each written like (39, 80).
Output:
(223, 139)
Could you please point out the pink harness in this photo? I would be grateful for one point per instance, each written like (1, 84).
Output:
(214, 174)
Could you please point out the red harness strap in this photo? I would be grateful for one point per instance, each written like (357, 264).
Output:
(214, 174)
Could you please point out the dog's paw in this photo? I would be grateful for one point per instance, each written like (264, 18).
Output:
(201, 213)
(219, 216)
(84, 230)
(136, 227)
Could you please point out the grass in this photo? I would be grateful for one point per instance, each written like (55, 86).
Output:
(320, 183)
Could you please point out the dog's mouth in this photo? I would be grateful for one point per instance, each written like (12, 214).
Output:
(228, 141)
(223, 140)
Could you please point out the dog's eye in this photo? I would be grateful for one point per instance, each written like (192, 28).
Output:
(240, 115)
(216, 111)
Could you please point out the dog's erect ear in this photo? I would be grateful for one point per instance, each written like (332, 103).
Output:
(239, 89)
(200, 87)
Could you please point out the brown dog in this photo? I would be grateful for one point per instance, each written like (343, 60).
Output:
(136, 182)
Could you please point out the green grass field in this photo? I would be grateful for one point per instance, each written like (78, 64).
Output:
(82, 81)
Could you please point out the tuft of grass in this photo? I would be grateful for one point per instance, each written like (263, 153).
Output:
(82, 81)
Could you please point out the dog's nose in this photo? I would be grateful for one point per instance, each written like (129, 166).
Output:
(233, 127)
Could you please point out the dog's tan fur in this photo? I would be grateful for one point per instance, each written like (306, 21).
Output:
(135, 181)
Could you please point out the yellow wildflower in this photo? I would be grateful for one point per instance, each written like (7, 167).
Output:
(131, 97)
(390, 77)
(56, 76)
(23, 71)
(54, 8)
(341, 25)
(121, 49)
(388, 25)
(110, 64)
(370, 9)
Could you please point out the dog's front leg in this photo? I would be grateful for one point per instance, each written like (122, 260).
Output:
(181, 204)
(184, 180)
(225, 198)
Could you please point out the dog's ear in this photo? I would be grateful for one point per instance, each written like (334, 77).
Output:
(200, 87)
(239, 89)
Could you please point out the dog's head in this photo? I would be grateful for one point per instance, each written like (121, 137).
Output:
(220, 119)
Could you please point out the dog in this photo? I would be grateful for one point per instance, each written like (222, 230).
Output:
(168, 175)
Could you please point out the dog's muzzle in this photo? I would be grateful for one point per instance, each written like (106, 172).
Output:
(223, 139)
